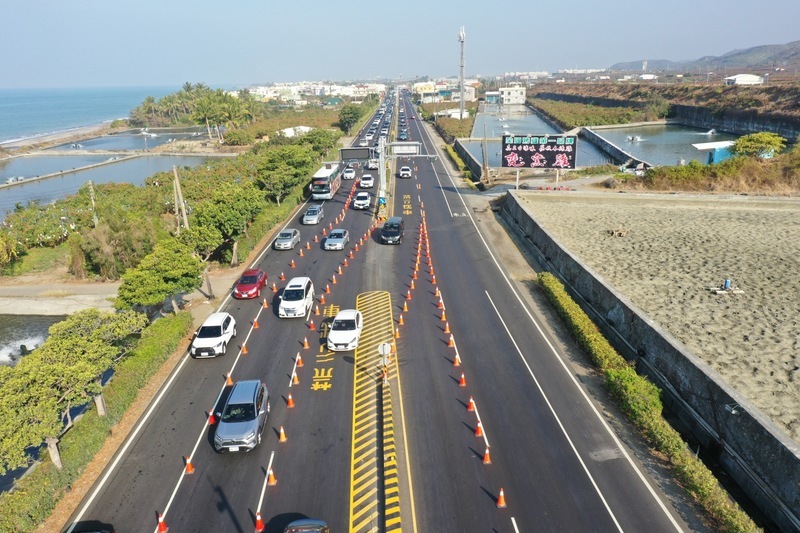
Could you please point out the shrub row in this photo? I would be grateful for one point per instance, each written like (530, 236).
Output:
(640, 400)
(35, 496)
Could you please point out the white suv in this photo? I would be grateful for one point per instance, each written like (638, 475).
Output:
(405, 172)
(297, 298)
(349, 173)
(213, 336)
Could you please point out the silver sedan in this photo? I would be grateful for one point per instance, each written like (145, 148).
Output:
(287, 239)
(337, 239)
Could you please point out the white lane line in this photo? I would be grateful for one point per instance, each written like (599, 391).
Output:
(266, 480)
(555, 415)
(553, 350)
(441, 188)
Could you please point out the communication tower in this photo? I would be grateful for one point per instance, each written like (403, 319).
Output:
(462, 36)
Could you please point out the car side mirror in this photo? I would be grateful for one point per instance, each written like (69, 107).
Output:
(219, 415)
(280, 297)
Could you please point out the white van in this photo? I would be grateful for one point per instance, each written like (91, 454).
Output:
(297, 298)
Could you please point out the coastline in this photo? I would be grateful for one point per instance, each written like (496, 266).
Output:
(43, 141)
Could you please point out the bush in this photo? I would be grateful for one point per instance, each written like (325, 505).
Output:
(239, 138)
(640, 400)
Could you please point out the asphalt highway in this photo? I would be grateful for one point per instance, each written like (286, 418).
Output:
(366, 453)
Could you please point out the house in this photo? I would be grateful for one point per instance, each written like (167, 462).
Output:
(717, 151)
(648, 77)
(512, 95)
(492, 97)
(744, 79)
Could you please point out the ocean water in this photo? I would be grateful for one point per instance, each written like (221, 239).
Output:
(18, 330)
(26, 113)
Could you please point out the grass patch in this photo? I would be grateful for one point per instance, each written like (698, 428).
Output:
(38, 260)
(35, 497)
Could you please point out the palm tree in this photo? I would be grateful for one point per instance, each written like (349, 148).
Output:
(205, 112)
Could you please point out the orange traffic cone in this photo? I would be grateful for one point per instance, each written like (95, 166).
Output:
(189, 466)
(433, 280)
(451, 343)
(295, 379)
(327, 288)
(444, 316)
(339, 271)
(283, 277)
(255, 324)
(405, 306)
(282, 436)
(351, 254)
(463, 381)
(334, 278)
(322, 297)
(437, 294)
(305, 343)
(274, 288)
(316, 310)
(299, 360)
(289, 402)
(259, 522)
(312, 327)
(447, 328)
(408, 294)
(487, 459)
(228, 380)
(432, 273)
(265, 303)
(479, 429)
(244, 349)
(457, 360)
(271, 479)
(316, 238)
(301, 254)
(501, 500)
(345, 262)
(308, 244)
(330, 225)
(396, 333)
(412, 281)
(292, 265)
(324, 231)
(400, 320)
(440, 305)
(360, 241)
(471, 405)
(162, 526)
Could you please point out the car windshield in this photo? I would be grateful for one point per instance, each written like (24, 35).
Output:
(293, 295)
(209, 332)
(239, 412)
(285, 235)
(312, 211)
(344, 325)
(337, 235)
(248, 280)
(362, 196)
(391, 229)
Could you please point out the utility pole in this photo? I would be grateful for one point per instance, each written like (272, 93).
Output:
(94, 209)
(462, 36)
(175, 203)
(180, 197)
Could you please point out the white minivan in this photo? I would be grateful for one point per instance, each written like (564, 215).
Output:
(297, 298)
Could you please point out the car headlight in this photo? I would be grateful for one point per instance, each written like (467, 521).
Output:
(217, 439)
(250, 436)
(218, 345)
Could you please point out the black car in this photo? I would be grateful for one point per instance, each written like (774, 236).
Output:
(392, 231)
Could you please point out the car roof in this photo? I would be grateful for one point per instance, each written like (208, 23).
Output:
(215, 319)
(362, 193)
(395, 220)
(346, 314)
(342, 231)
(298, 283)
(244, 391)
(251, 272)
(312, 207)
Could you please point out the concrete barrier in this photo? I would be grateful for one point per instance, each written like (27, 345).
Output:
(762, 460)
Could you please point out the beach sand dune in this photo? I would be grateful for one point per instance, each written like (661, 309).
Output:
(664, 252)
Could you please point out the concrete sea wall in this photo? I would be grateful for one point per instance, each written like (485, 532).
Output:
(753, 451)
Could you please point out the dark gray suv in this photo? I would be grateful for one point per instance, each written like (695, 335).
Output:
(243, 418)
(392, 231)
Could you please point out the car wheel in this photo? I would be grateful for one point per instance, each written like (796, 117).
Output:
(234, 331)
(258, 293)
(258, 437)
(224, 348)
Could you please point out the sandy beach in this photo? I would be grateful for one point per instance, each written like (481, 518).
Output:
(40, 141)
(674, 248)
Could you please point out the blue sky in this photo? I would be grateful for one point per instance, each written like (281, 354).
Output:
(93, 43)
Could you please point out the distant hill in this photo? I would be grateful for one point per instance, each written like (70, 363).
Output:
(765, 57)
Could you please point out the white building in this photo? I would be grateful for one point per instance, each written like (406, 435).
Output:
(512, 95)
(744, 79)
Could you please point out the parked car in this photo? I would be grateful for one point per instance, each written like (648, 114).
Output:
(405, 172)
(213, 336)
(392, 231)
(243, 418)
(287, 239)
(337, 239)
(349, 174)
(314, 215)
(250, 284)
(297, 298)
(366, 181)
(362, 200)
(345, 330)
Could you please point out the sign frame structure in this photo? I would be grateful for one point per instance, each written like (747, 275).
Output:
(355, 153)
(539, 151)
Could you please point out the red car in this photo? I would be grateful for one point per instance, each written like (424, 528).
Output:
(250, 284)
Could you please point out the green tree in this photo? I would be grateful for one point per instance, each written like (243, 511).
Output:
(170, 270)
(762, 144)
(9, 249)
(280, 169)
(348, 116)
(206, 111)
